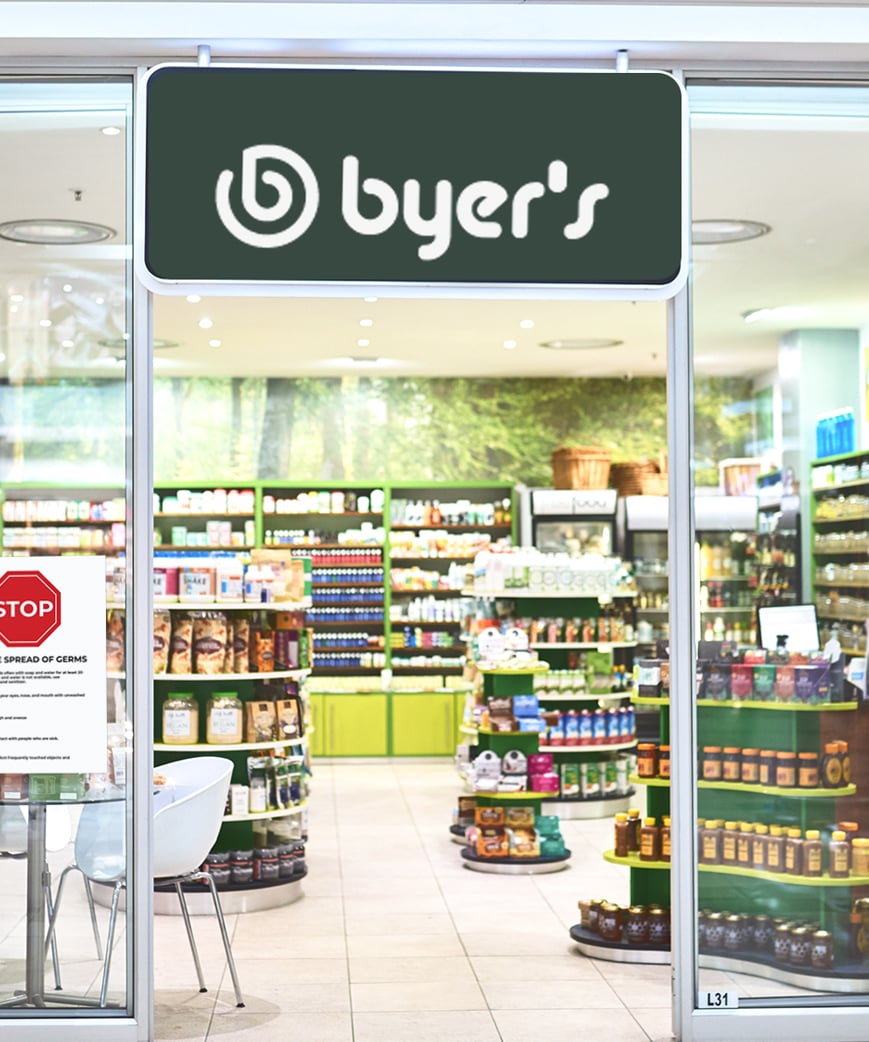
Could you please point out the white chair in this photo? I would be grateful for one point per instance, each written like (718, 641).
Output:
(184, 832)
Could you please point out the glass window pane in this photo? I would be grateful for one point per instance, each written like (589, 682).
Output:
(779, 310)
(65, 742)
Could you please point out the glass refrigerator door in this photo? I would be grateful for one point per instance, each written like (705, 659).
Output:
(574, 536)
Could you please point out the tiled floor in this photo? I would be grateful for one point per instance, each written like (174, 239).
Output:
(395, 941)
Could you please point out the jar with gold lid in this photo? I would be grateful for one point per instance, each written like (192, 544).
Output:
(659, 925)
(801, 946)
(610, 921)
(821, 955)
(636, 925)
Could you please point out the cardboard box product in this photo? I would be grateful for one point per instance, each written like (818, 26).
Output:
(289, 717)
(519, 817)
(466, 810)
(492, 842)
(260, 721)
(488, 816)
(524, 843)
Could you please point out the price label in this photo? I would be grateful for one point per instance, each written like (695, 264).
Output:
(718, 1000)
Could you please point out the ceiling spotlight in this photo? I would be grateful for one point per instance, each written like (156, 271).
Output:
(526, 323)
(67, 288)
(99, 300)
(51, 232)
(581, 344)
(45, 322)
(786, 312)
(370, 300)
(66, 343)
(509, 344)
(363, 342)
(193, 298)
(110, 131)
(205, 323)
(726, 230)
(214, 343)
(366, 321)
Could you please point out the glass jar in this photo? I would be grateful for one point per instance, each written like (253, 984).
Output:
(712, 766)
(733, 933)
(860, 856)
(767, 766)
(807, 771)
(821, 955)
(800, 946)
(664, 761)
(785, 770)
(659, 925)
(218, 867)
(610, 922)
(730, 763)
(714, 931)
(180, 720)
(636, 925)
(749, 767)
(647, 760)
(831, 766)
(782, 942)
(224, 719)
(762, 933)
(241, 866)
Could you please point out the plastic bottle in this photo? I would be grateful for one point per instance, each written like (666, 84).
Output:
(253, 584)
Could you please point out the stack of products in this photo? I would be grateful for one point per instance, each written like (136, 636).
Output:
(643, 837)
(273, 713)
(510, 832)
(636, 924)
(794, 942)
(280, 863)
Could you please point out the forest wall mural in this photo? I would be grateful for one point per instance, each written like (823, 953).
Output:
(360, 428)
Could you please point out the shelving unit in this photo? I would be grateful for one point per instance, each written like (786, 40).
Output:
(204, 516)
(40, 521)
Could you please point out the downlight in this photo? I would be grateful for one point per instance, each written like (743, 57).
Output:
(721, 230)
(581, 344)
(50, 232)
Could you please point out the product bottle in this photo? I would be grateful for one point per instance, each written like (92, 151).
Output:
(710, 845)
(743, 844)
(621, 835)
(650, 841)
(728, 843)
(831, 766)
(775, 849)
(812, 853)
(665, 838)
(794, 852)
(633, 829)
(758, 847)
(839, 855)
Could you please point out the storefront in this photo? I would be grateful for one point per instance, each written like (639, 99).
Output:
(768, 90)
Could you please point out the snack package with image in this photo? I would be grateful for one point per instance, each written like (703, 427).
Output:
(181, 648)
(115, 642)
(289, 717)
(519, 817)
(229, 649)
(492, 842)
(209, 642)
(524, 843)
(490, 817)
(260, 721)
(241, 645)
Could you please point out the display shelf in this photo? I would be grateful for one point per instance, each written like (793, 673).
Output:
(838, 520)
(216, 747)
(286, 812)
(632, 860)
(825, 584)
(512, 795)
(842, 486)
(572, 809)
(764, 790)
(606, 696)
(250, 897)
(204, 515)
(355, 585)
(496, 671)
(561, 595)
(515, 866)
(499, 526)
(405, 591)
(588, 747)
(224, 678)
(593, 944)
(160, 605)
(602, 645)
(645, 700)
(788, 707)
(466, 729)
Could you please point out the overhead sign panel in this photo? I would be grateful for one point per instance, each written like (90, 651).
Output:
(322, 176)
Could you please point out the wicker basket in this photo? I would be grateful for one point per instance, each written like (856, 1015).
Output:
(627, 477)
(656, 483)
(580, 468)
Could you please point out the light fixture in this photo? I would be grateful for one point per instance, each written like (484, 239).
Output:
(370, 300)
(67, 288)
(193, 298)
(205, 323)
(726, 229)
(366, 321)
(16, 298)
(214, 343)
(45, 322)
(51, 232)
(110, 131)
(588, 343)
(66, 343)
(526, 323)
(785, 312)
(14, 309)
(363, 342)
(121, 343)
(99, 300)
(509, 344)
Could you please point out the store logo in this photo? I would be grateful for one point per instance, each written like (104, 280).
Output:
(483, 209)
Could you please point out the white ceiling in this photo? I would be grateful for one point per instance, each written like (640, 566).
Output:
(804, 177)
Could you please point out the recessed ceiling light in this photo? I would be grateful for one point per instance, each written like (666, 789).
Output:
(2, 357)
(50, 232)
(110, 131)
(45, 322)
(363, 342)
(526, 323)
(786, 312)
(370, 300)
(205, 323)
(214, 343)
(66, 343)
(726, 230)
(99, 300)
(16, 298)
(120, 343)
(14, 309)
(193, 298)
(366, 322)
(589, 343)
(509, 344)
(67, 288)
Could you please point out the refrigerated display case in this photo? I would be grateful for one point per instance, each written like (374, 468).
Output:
(572, 521)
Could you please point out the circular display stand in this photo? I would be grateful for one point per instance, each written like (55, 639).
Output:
(840, 981)
(594, 945)
(457, 834)
(257, 897)
(572, 810)
(514, 866)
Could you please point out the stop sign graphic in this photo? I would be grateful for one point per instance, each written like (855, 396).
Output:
(29, 609)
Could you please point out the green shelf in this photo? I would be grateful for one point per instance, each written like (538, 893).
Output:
(787, 707)
(633, 861)
(765, 790)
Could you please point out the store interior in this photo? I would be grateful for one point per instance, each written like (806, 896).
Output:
(388, 933)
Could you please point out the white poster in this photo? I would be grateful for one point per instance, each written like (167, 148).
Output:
(53, 665)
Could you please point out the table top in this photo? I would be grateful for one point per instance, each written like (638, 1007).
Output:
(96, 794)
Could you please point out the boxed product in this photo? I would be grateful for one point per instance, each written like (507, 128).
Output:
(571, 728)
(489, 817)
(649, 678)
(514, 761)
(812, 682)
(487, 771)
(260, 721)
(549, 782)
(525, 705)
(524, 843)
(288, 583)
(784, 683)
(503, 724)
(466, 810)
(519, 817)
(599, 666)
(716, 680)
(552, 846)
(764, 682)
(513, 783)
(547, 825)
(742, 680)
(492, 842)
(570, 781)
(555, 733)
(589, 780)
(540, 763)
(530, 724)
(289, 717)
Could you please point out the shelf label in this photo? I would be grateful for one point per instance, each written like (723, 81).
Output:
(717, 1000)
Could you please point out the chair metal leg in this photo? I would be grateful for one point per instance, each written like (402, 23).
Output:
(53, 912)
(186, 916)
(89, 893)
(51, 939)
(230, 961)
(110, 940)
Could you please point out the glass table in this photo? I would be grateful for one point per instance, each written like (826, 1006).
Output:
(38, 878)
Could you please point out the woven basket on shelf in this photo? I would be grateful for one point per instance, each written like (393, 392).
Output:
(627, 476)
(580, 468)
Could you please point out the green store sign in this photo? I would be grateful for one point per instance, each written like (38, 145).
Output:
(335, 177)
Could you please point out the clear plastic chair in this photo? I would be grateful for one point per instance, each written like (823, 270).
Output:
(186, 824)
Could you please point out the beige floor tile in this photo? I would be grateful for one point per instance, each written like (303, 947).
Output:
(642, 992)
(375, 946)
(544, 994)
(181, 1025)
(377, 923)
(241, 1026)
(467, 1026)
(411, 968)
(657, 1023)
(506, 942)
(291, 945)
(290, 972)
(388, 904)
(274, 995)
(568, 967)
(417, 995)
(568, 1025)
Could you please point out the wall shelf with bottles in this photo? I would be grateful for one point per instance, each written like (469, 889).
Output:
(40, 520)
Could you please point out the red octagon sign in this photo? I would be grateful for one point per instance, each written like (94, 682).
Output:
(29, 609)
